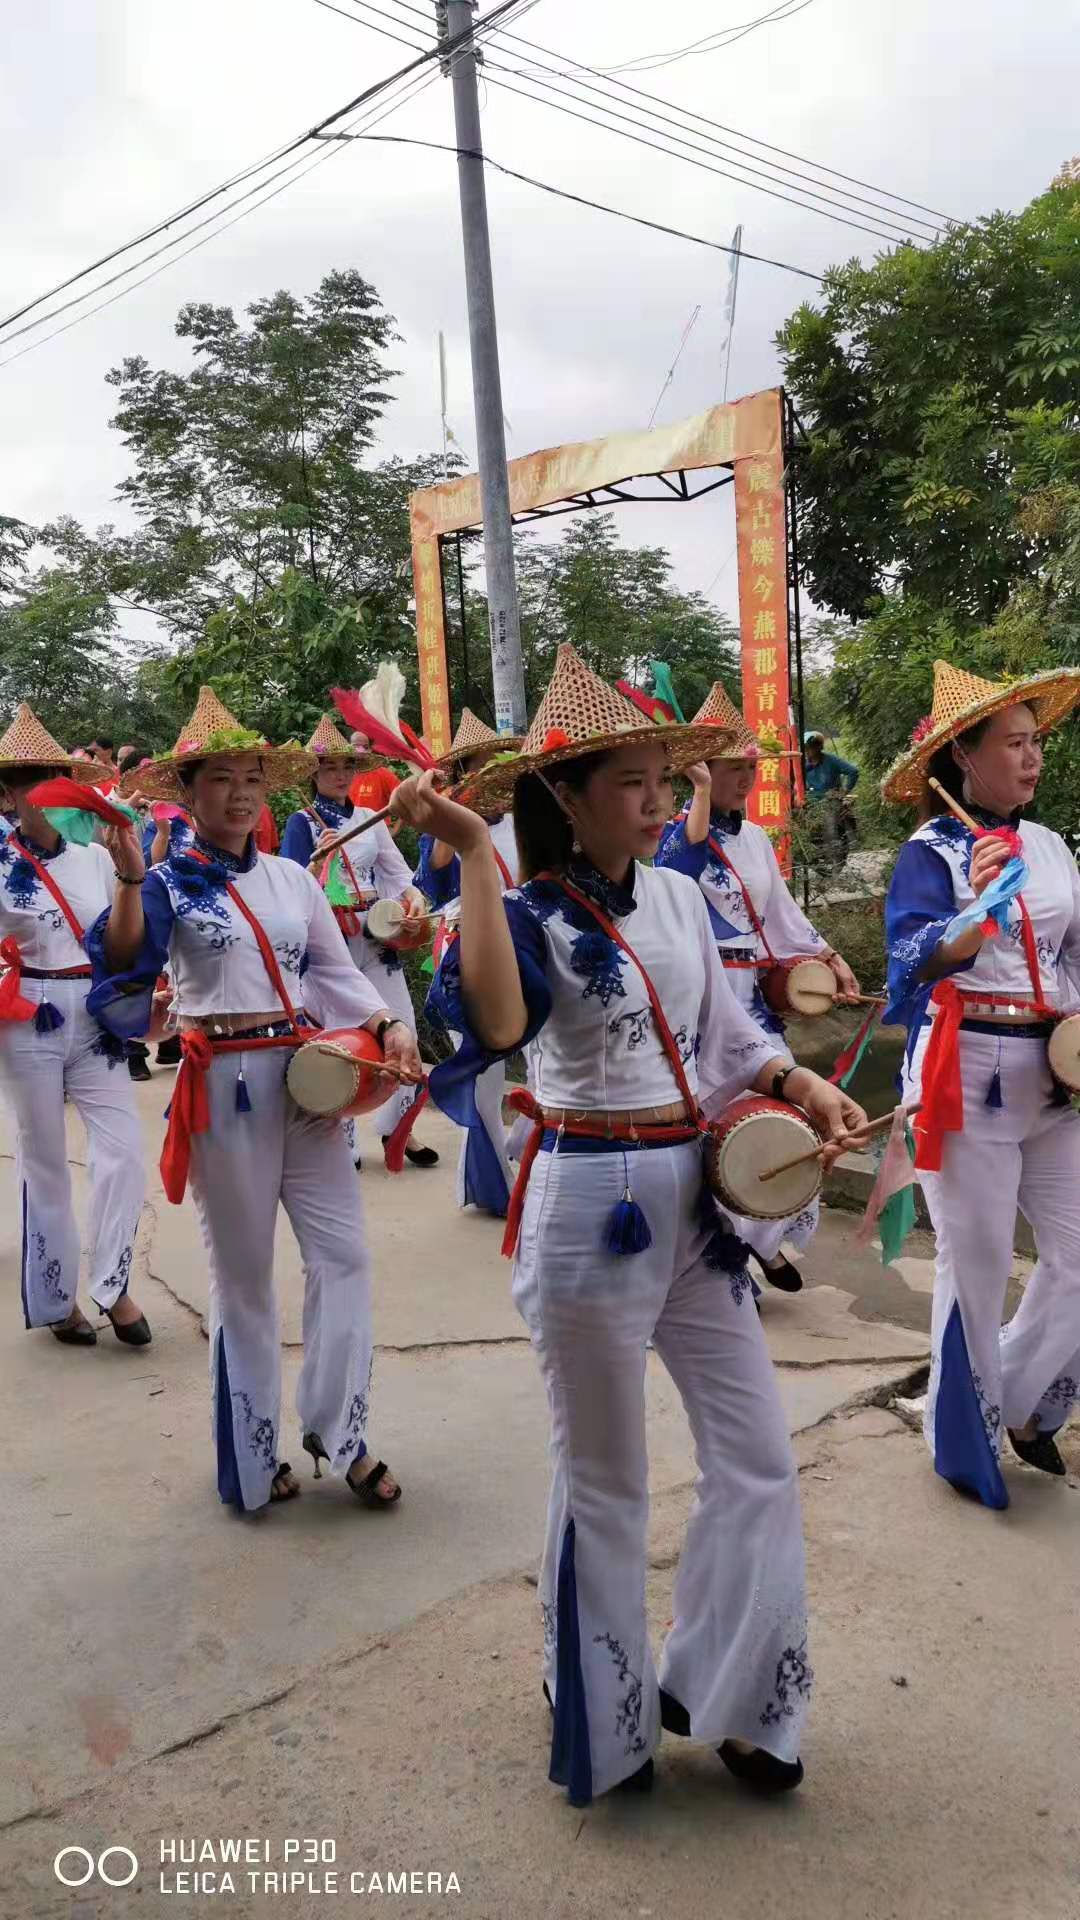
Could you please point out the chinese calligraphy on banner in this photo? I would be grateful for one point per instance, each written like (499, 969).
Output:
(431, 646)
(761, 531)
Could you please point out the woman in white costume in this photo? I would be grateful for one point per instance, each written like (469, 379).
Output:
(994, 1131)
(255, 955)
(51, 891)
(371, 868)
(754, 919)
(484, 1177)
(610, 966)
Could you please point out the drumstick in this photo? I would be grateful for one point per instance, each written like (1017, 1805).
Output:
(954, 805)
(372, 820)
(879, 1125)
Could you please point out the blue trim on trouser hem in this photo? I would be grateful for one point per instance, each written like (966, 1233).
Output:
(22, 1269)
(485, 1182)
(571, 1756)
(228, 1474)
(963, 1454)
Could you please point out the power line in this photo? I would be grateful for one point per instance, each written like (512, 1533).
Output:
(504, 9)
(686, 332)
(888, 226)
(580, 200)
(711, 43)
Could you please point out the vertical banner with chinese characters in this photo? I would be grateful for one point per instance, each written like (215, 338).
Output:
(431, 644)
(761, 529)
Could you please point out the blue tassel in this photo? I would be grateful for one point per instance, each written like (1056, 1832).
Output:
(48, 1018)
(627, 1228)
(993, 1098)
(243, 1104)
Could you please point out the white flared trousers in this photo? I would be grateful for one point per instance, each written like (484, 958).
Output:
(240, 1169)
(1024, 1153)
(736, 1654)
(37, 1070)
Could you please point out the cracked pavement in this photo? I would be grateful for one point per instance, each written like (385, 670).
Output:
(180, 1670)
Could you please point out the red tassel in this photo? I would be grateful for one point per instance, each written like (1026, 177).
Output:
(13, 1006)
(63, 792)
(189, 1114)
(942, 1104)
(395, 1143)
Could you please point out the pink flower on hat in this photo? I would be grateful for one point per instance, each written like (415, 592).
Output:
(922, 729)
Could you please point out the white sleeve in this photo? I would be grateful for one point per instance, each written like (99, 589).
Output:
(787, 928)
(336, 993)
(733, 1047)
(1069, 957)
(392, 874)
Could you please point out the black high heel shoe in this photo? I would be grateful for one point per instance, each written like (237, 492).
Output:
(760, 1771)
(79, 1334)
(135, 1334)
(1041, 1452)
(367, 1489)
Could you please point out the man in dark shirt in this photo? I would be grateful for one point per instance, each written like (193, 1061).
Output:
(829, 781)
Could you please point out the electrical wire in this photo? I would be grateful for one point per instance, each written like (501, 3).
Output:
(686, 332)
(888, 220)
(506, 9)
(711, 43)
(580, 200)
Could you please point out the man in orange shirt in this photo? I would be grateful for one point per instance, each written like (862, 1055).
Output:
(373, 786)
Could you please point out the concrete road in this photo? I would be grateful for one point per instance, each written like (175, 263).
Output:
(175, 1669)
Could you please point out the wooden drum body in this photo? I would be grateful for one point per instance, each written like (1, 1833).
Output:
(1063, 1050)
(333, 1075)
(387, 923)
(751, 1135)
(801, 986)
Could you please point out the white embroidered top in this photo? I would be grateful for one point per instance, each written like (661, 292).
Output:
(84, 876)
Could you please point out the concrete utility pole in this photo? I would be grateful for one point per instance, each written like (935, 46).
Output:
(506, 666)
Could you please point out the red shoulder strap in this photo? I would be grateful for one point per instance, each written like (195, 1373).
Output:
(507, 876)
(667, 1038)
(266, 951)
(755, 918)
(48, 882)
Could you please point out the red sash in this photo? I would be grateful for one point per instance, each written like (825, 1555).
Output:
(507, 876)
(523, 1102)
(13, 1006)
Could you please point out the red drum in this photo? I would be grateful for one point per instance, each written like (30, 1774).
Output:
(333, 1074)
(752, 1135)
(1063, 1051)
(800, 986)
(389, 925)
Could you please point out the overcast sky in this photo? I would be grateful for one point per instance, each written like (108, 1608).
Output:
(117, 111)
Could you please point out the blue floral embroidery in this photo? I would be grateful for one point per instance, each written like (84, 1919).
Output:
(261, 1437)
(597, 960)
(991, 1413)
(120, 1275)
(356, 1420)
(740, 1284)
(634, 1024)
(628, 1709)
(792, 1684)
(945, 832)
(22, 881)
(290, 953)
(548, 1614)
(760, 1010)
(330, 811)
(1063, 1391)
(50, 1272)
(688, 1048)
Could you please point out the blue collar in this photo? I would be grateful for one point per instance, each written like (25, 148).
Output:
(32, 846)
(611, 896)
(730, 823)
(228, 862)
(987, 818)
(333, 812)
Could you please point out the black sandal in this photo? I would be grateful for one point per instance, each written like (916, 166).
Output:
(74, 1333)
(1041, 1452)
(760, 1771)
(366, 1490)
(135, 1334)
(279, 1493)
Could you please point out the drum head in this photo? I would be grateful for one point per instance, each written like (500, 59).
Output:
(750, 1148)
(1064, 1052)
(385, 920)
(811, 987)
(323, 1078)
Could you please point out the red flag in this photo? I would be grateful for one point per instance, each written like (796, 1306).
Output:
(63, 792)
(393, 746)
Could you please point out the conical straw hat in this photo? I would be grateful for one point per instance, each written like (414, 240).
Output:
(329, 743)
(27, 743)
(211, 731)
(719, 710)
(473, 736)
(961, 700)
(581, 714)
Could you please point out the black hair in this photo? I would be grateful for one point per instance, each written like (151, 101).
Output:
(130, 758)
(27, 775)
(943, 767)
(545, 837)
(102, 740)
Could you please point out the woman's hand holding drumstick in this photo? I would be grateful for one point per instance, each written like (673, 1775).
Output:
(831, 1150)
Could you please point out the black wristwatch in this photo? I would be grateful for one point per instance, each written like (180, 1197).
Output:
(779, 1081)
(382, 1026)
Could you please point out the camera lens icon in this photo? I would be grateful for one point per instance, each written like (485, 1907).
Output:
(69, 1860)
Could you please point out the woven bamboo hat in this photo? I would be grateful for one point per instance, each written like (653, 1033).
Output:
(961, 700)
(719, 710)
(329, 743)
(27, 743)
(579, 714)
(473, 736)
(210, 732)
